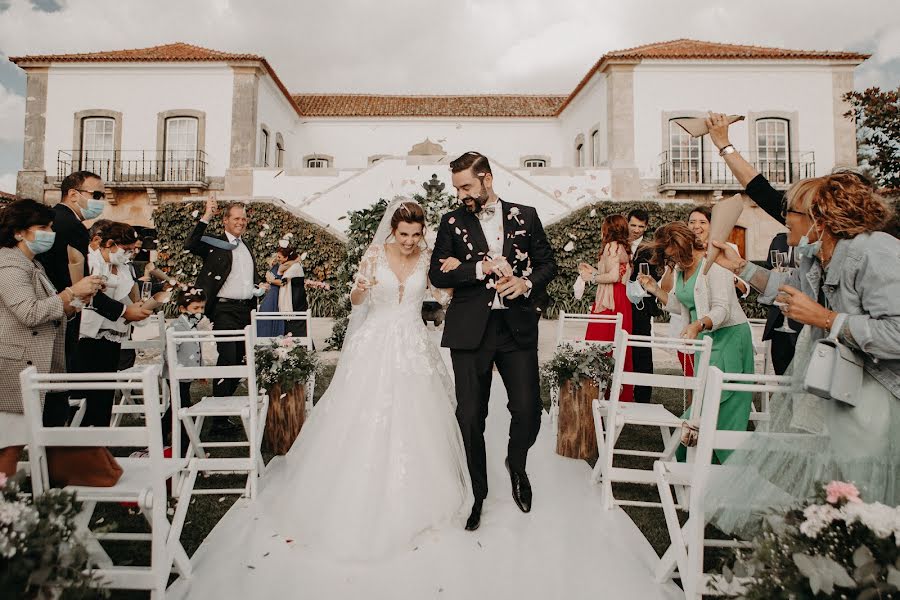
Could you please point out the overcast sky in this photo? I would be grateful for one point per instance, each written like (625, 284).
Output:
(430, 46)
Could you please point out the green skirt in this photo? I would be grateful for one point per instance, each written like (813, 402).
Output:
(732, 352)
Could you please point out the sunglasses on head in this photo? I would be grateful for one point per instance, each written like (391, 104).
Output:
(96, 194)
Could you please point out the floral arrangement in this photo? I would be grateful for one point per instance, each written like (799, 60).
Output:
(837, 546)
(579, 360)
(285, 362)
(40, 554)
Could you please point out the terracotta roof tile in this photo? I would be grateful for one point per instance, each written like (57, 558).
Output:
(363, 105)
(177, 52)
(7, 197)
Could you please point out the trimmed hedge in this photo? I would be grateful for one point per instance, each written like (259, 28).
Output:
(268, 223)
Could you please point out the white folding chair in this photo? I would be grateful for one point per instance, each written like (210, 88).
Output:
(143, 480)
(128, 401)
(687, 542)
(611, 416)
(572, 327)
(759, 413)
(307, 340)
(251, 409)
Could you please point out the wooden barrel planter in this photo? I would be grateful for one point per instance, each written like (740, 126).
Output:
(285, 417)
(576, 437)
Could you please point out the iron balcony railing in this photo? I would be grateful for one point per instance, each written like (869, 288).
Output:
(136, 166)
(708, 169)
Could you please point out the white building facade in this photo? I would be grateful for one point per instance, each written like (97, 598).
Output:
(165, 123)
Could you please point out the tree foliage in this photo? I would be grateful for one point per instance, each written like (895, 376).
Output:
(877, 116)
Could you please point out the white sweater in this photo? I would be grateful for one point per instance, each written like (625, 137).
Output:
(714, 297)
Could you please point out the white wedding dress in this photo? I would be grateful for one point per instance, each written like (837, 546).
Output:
(381, 459)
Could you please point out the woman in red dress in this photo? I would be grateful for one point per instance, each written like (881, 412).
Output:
(612, 271)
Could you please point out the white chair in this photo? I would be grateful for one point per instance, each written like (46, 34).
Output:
(687, 542)
(572, 327)
(759, 413)
(251, 409)
(256, 317)
(128, 402)
(143, 480)
(611, 416)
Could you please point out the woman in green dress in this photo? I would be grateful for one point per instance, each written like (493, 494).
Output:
(709, 304)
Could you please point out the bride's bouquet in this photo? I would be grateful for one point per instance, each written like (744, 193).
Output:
(285, 362)
(837, 546)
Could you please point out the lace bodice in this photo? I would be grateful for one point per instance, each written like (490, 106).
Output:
(390, 294)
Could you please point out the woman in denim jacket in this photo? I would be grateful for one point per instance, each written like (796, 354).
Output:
(846, 267)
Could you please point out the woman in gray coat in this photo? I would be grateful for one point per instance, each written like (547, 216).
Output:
(32, 315)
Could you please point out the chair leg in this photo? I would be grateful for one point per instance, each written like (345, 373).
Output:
(676, 537)
(82, 523)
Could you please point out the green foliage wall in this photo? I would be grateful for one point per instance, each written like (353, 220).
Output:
(268, 223)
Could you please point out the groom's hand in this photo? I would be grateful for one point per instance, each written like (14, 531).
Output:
(449, 264)
(511, 288)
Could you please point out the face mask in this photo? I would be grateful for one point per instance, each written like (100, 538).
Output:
(193, 318)
(805, 248)
(129, 256)
(93, 209)
(118, 258)
(43, 241)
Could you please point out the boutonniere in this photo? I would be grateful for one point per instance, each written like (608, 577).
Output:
(514, 214)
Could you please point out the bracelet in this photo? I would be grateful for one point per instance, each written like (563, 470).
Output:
(729, 149)
(829, 320)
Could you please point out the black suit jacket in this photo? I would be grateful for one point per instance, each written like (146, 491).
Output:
(526, 248)
(70, 231)
(650, 309)
(216, 265)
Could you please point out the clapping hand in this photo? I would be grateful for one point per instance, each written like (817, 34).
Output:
(586, 272)
(511, 288)
(499, 266)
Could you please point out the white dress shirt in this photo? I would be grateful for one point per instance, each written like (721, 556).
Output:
(240, 281)
(635, 244)
(492, 228)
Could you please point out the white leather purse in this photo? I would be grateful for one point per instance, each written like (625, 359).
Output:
(835, 370)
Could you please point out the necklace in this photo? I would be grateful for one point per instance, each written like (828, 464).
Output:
(407, 267)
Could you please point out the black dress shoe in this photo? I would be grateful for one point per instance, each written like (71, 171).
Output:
(521, 489)
(475, 518)
(224, 426)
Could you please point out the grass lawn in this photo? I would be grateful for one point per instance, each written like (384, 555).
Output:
(207, 510)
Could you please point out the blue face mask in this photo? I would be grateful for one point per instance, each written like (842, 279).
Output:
(43, 241)
(93, 209)
(805, 248)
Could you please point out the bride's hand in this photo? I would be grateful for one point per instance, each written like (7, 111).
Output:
(363, 284)
(451, 263)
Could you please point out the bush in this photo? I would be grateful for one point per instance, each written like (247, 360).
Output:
(268, 223)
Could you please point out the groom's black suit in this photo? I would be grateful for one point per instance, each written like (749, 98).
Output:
(480, 337)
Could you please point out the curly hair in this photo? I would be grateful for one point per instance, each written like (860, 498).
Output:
(844, 205)
(679, 240)
(615, 229)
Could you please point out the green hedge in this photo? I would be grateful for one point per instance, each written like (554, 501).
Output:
(268, 223)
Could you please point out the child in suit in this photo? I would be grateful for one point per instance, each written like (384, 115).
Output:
(191, 305)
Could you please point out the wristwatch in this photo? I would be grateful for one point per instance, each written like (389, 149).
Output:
(729, 149)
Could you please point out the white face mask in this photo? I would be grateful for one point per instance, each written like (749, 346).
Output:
(118, 258)
(805, 248)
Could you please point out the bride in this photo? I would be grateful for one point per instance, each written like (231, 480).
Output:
(381, 459)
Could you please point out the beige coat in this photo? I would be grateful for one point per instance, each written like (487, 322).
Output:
(32, 325)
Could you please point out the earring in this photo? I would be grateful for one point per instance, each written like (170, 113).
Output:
(18, 238)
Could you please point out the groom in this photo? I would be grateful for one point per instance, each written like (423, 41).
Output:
(493, 317)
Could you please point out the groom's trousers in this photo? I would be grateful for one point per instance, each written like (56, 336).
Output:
(473, 370)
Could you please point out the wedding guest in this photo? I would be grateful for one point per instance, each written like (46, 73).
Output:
(612, 271)
(846, 267)
(82, 199)
(709, 306)
(782, 343)
(270, 300)
(32, 315)
(229, 278)
(99, 338)
(292, 292)
(646, 309)
(191, 305)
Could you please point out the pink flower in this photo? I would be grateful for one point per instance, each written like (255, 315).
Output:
(840, 490)
(286, 341)
(2, 479)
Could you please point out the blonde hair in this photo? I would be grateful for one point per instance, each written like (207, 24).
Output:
(841, 203)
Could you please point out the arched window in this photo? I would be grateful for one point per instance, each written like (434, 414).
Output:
(279, 151)
(773, 149)
(579, 154)
(534, 163)
(98, 145)
(263, 147)
(317, 163)
(180, 158)
(595, 148)
(685, 155)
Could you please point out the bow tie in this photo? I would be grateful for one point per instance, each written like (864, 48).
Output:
(487, 212)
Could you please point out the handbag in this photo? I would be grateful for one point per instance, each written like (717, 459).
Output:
(89, 466)
(835, 370)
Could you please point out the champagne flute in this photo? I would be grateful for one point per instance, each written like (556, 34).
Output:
(644, 269)
(773, 259)
(782, 266)
(146, 291)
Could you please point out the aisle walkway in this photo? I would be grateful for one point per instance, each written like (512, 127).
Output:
(567, 547)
